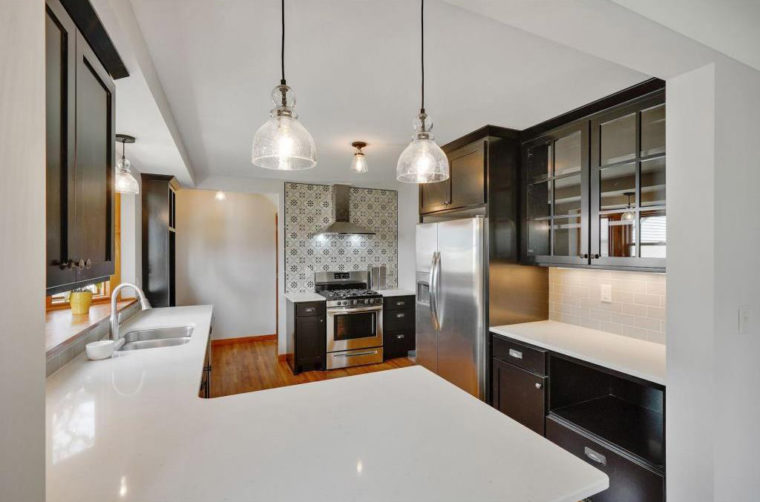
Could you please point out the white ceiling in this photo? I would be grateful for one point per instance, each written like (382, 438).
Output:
(354, 65)
(728, 26)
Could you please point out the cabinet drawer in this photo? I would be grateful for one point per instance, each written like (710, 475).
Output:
(310, 308)
(398, 320)
(398, 302)
(397, 344)
(521, 355)
(629, 481)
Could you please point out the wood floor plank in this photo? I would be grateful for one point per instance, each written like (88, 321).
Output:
(253, 365)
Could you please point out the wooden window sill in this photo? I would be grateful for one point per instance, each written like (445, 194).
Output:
(63, 328)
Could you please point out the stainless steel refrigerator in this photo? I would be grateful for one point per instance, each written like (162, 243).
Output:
(452, 263)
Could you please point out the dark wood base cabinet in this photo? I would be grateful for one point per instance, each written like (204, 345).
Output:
(307, 336)
(398, 326)
(629, 481)
(613, 421)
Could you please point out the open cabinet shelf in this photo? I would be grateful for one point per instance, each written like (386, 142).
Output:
(626, 413)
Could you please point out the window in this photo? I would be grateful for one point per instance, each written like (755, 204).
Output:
(101, 292)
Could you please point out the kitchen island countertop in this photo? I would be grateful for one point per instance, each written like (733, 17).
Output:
(134, 428)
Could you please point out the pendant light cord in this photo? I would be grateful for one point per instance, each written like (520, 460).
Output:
(422, 55)
(123, 146)
(282, 43)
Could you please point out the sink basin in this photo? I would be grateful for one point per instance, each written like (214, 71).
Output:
(157, 337)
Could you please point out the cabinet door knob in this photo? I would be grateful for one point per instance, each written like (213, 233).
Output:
(596, 256)
(88, 263)
(538, 385)
(584, 256)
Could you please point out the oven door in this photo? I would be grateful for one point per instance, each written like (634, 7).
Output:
(354, 328)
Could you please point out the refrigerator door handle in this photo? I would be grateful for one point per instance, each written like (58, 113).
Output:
(433, 291)
(436, 288)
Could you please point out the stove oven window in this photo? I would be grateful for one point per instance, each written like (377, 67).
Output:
(352, 326)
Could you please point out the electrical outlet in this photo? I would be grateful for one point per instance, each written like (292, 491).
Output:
(606, 293)
(744, 319)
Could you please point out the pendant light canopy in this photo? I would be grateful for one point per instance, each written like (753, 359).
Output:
(124, 179)
(359, 164)
(282, 143)
(422, 161)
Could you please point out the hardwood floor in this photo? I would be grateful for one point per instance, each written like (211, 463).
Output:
(253, 365)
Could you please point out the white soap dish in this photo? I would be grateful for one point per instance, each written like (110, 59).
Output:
(102, 349)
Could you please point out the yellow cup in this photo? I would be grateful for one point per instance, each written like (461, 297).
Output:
(80, 302)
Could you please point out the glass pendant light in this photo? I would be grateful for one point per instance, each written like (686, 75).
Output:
(628, 215)
(359, 164)
(125, 180)
(282, 143)
(422, 161)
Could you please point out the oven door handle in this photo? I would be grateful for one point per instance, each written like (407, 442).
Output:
(331, 311)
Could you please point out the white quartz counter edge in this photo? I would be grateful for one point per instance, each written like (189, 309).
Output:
(133, 428)
(305, 297)
(638, 358)
(396, 292)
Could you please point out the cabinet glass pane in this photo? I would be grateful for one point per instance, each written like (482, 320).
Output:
(653, 130)
(618, 139)
(653, 182)
(567, 196)
(653, 234)
(617, 234)
(538, 238)
(539, 162)
(617, 187)
(567, 154)
(567, 236)
(539, 200)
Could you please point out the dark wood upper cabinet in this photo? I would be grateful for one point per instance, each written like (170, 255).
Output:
(594, 188)
(80, 158)
(468, 176)
(434, 196)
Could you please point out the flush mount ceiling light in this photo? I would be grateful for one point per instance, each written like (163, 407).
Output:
(282, 143)
(359, 164)
(125, 180)
(422, 161)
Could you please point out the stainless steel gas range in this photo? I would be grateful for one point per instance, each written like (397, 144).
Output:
(354, 318)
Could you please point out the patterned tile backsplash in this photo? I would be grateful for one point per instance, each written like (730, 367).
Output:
(308, 209)
(637, 308)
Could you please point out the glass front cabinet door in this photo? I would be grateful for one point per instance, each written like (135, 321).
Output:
(628, 185)
(556, 181)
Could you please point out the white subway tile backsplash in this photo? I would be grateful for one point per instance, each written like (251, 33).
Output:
(638, 301)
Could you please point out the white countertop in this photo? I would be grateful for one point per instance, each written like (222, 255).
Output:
(396, 292)
(634, 357)
(304, 297)
(133, 428)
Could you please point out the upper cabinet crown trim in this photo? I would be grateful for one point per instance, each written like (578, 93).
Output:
(88, 22)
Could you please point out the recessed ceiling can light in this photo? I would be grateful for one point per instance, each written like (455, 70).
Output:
(283, 143)
(124, 179)
(422, 161)
(359, 164)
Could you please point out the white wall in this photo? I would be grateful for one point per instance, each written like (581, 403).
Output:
(22, 250)
(226, 257)
(131, 241)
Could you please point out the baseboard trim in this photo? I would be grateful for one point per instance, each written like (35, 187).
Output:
(283, 358)
(243, 339)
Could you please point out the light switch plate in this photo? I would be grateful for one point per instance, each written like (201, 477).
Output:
(606, 293)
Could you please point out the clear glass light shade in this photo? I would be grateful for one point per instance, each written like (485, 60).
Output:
(359, 163)
(422, 161)
(124, 180)
(282, 143)
(628, 216)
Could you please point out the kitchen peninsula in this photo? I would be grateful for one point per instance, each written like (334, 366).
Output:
(402, 434)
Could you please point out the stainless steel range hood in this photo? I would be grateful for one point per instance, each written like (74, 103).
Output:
(341, 195)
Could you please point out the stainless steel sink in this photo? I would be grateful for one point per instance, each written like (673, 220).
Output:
(158, 337)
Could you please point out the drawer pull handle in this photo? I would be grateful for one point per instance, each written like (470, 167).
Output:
(515, 353)
(595, 456)
(399, 316)
(400, 304)
(399, 336)
(309, 309)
